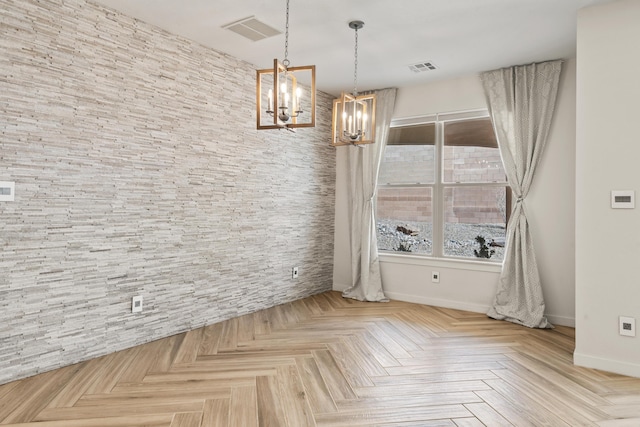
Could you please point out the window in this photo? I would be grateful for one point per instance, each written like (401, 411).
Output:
(442, 189)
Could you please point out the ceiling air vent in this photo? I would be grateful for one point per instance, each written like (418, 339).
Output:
(423, 66)
(252, 29)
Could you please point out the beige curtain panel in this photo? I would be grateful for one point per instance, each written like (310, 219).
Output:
(521, 102)
(364, 165)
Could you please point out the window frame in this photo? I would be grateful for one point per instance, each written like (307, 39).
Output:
(438, 186)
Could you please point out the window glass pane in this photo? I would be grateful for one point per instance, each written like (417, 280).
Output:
(409, 157)
(404, 217)
(472, 212)
(471, 153)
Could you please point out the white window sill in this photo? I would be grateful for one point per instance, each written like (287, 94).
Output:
(427, 261)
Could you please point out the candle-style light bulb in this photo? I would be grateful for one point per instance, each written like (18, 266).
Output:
(298, 96)
(283, 90)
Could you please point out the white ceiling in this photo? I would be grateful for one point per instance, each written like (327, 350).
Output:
(459, 36)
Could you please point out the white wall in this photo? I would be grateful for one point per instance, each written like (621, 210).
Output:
(608, 149)
(469, 285)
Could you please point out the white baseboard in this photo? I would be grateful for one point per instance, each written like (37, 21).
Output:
(609, 365)
(561, 320)
(458, 305)
(438, 302)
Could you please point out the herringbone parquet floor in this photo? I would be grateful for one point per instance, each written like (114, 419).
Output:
(328, 361)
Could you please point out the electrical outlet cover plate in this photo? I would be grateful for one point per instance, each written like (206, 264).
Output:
(294, 273)
(435, 277)
(136, 304)
(627, 326)
(7, 190)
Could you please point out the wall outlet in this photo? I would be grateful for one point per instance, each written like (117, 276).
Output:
(627, 326)
(294, 273)
(136, 304)
(435, 276)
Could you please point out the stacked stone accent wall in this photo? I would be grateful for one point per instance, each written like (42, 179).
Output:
(139, 171)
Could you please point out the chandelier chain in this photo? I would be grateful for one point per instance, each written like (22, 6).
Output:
(286, 39)
(355, 68)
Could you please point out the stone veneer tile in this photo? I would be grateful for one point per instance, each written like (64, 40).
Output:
(138, 170)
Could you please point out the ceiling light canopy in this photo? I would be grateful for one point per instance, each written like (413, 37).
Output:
(285, 95)
(353, 114)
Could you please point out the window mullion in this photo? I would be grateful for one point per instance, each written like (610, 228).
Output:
(438, 195)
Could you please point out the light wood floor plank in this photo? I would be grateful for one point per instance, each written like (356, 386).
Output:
(116, 365)
(5, 389)
(334, 379)
(542, 413)
(158, 395)
(246, 328)
(312, 306)
(296, 407)
(629, 422)
(28, 402)
(487, 415)
(425, 388)
(558, 378)
(229, 335)
(270, 406)
(390, 344)
(243, 407)
(215, 413)
(369, 344)
(80, 412)
(187, 419)
(159, 420)
(323, 302)
(142, 361)
(546, 393)
(352, 372)
(210, 339)
(330, 361)
(177, 387)
(396, 334)
(317, 392)
(362, 356)
(392, 415)
(512, 413)
(204, 375)
(164, 360)
(429, 423)
(404, 400)
(434, 377)
(439, 367)
(77, 385)
(468, 422)
(622, 411)
(189, 347)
